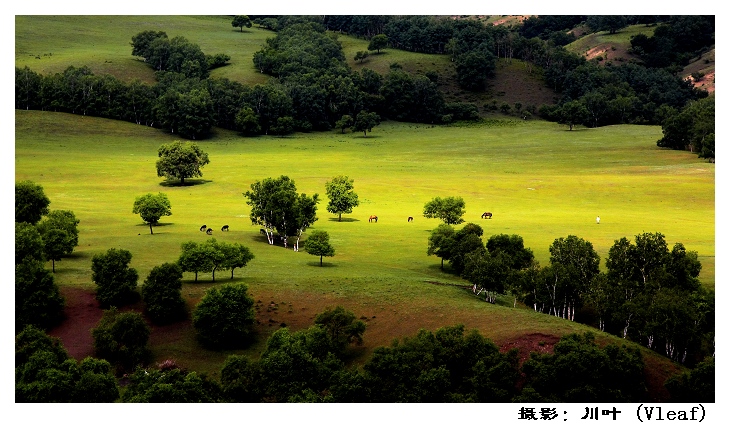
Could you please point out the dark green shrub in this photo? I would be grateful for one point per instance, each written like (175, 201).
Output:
(116, 282)
(45, 373)
(121, 338)
(225, 316)
(161, 293)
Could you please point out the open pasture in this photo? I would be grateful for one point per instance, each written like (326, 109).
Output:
(49, 44)
(540, 181)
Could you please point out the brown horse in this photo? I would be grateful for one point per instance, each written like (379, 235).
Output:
(487, 215)
(373, 218)
(410, 218)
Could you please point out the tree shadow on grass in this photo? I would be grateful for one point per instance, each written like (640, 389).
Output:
(344, 220)
(188, 182)
(324, 264)
(146, 228)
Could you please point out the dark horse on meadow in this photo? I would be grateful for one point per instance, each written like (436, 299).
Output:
(487, 215)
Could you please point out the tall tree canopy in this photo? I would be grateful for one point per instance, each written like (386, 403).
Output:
(343, 198)
(60, 234)
(31, 202)
(450, 209)
(276, 206)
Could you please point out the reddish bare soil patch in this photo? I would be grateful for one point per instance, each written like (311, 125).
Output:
(82, 314)
(528, 343)
(707, 82)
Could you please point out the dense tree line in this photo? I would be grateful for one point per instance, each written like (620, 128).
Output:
(649, 293)
(315, 89)
(450, 364)
(41, 234)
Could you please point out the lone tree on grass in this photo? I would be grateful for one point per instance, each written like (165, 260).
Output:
(152, 207)
(365, 121)
(378, 42)
(318, 244)
(241, 21)
(341, 195)
(450, 209)
(225, 316)
(180, 160)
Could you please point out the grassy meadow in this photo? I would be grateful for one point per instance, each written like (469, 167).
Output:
(540, 181)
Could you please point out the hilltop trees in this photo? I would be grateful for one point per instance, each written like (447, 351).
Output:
(343, 198)
(171, 55)
(152, 207)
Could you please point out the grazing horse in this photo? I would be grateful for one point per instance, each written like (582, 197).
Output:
(209, 232)
(410, 218)
(487, 215)
(203, 227)
(224, 228)
(373, 218)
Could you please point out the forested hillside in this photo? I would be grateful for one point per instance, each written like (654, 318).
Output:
(313, 86)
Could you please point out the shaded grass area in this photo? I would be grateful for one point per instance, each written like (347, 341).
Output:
(539, 180)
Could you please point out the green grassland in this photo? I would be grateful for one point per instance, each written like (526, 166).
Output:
(49, 44)
(540, 181)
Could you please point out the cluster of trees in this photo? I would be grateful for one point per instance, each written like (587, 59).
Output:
(41, 234)
(212, 256)
(175, 55)
(45, 373)
(691, 128)
(649, 293)
(277, 207)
